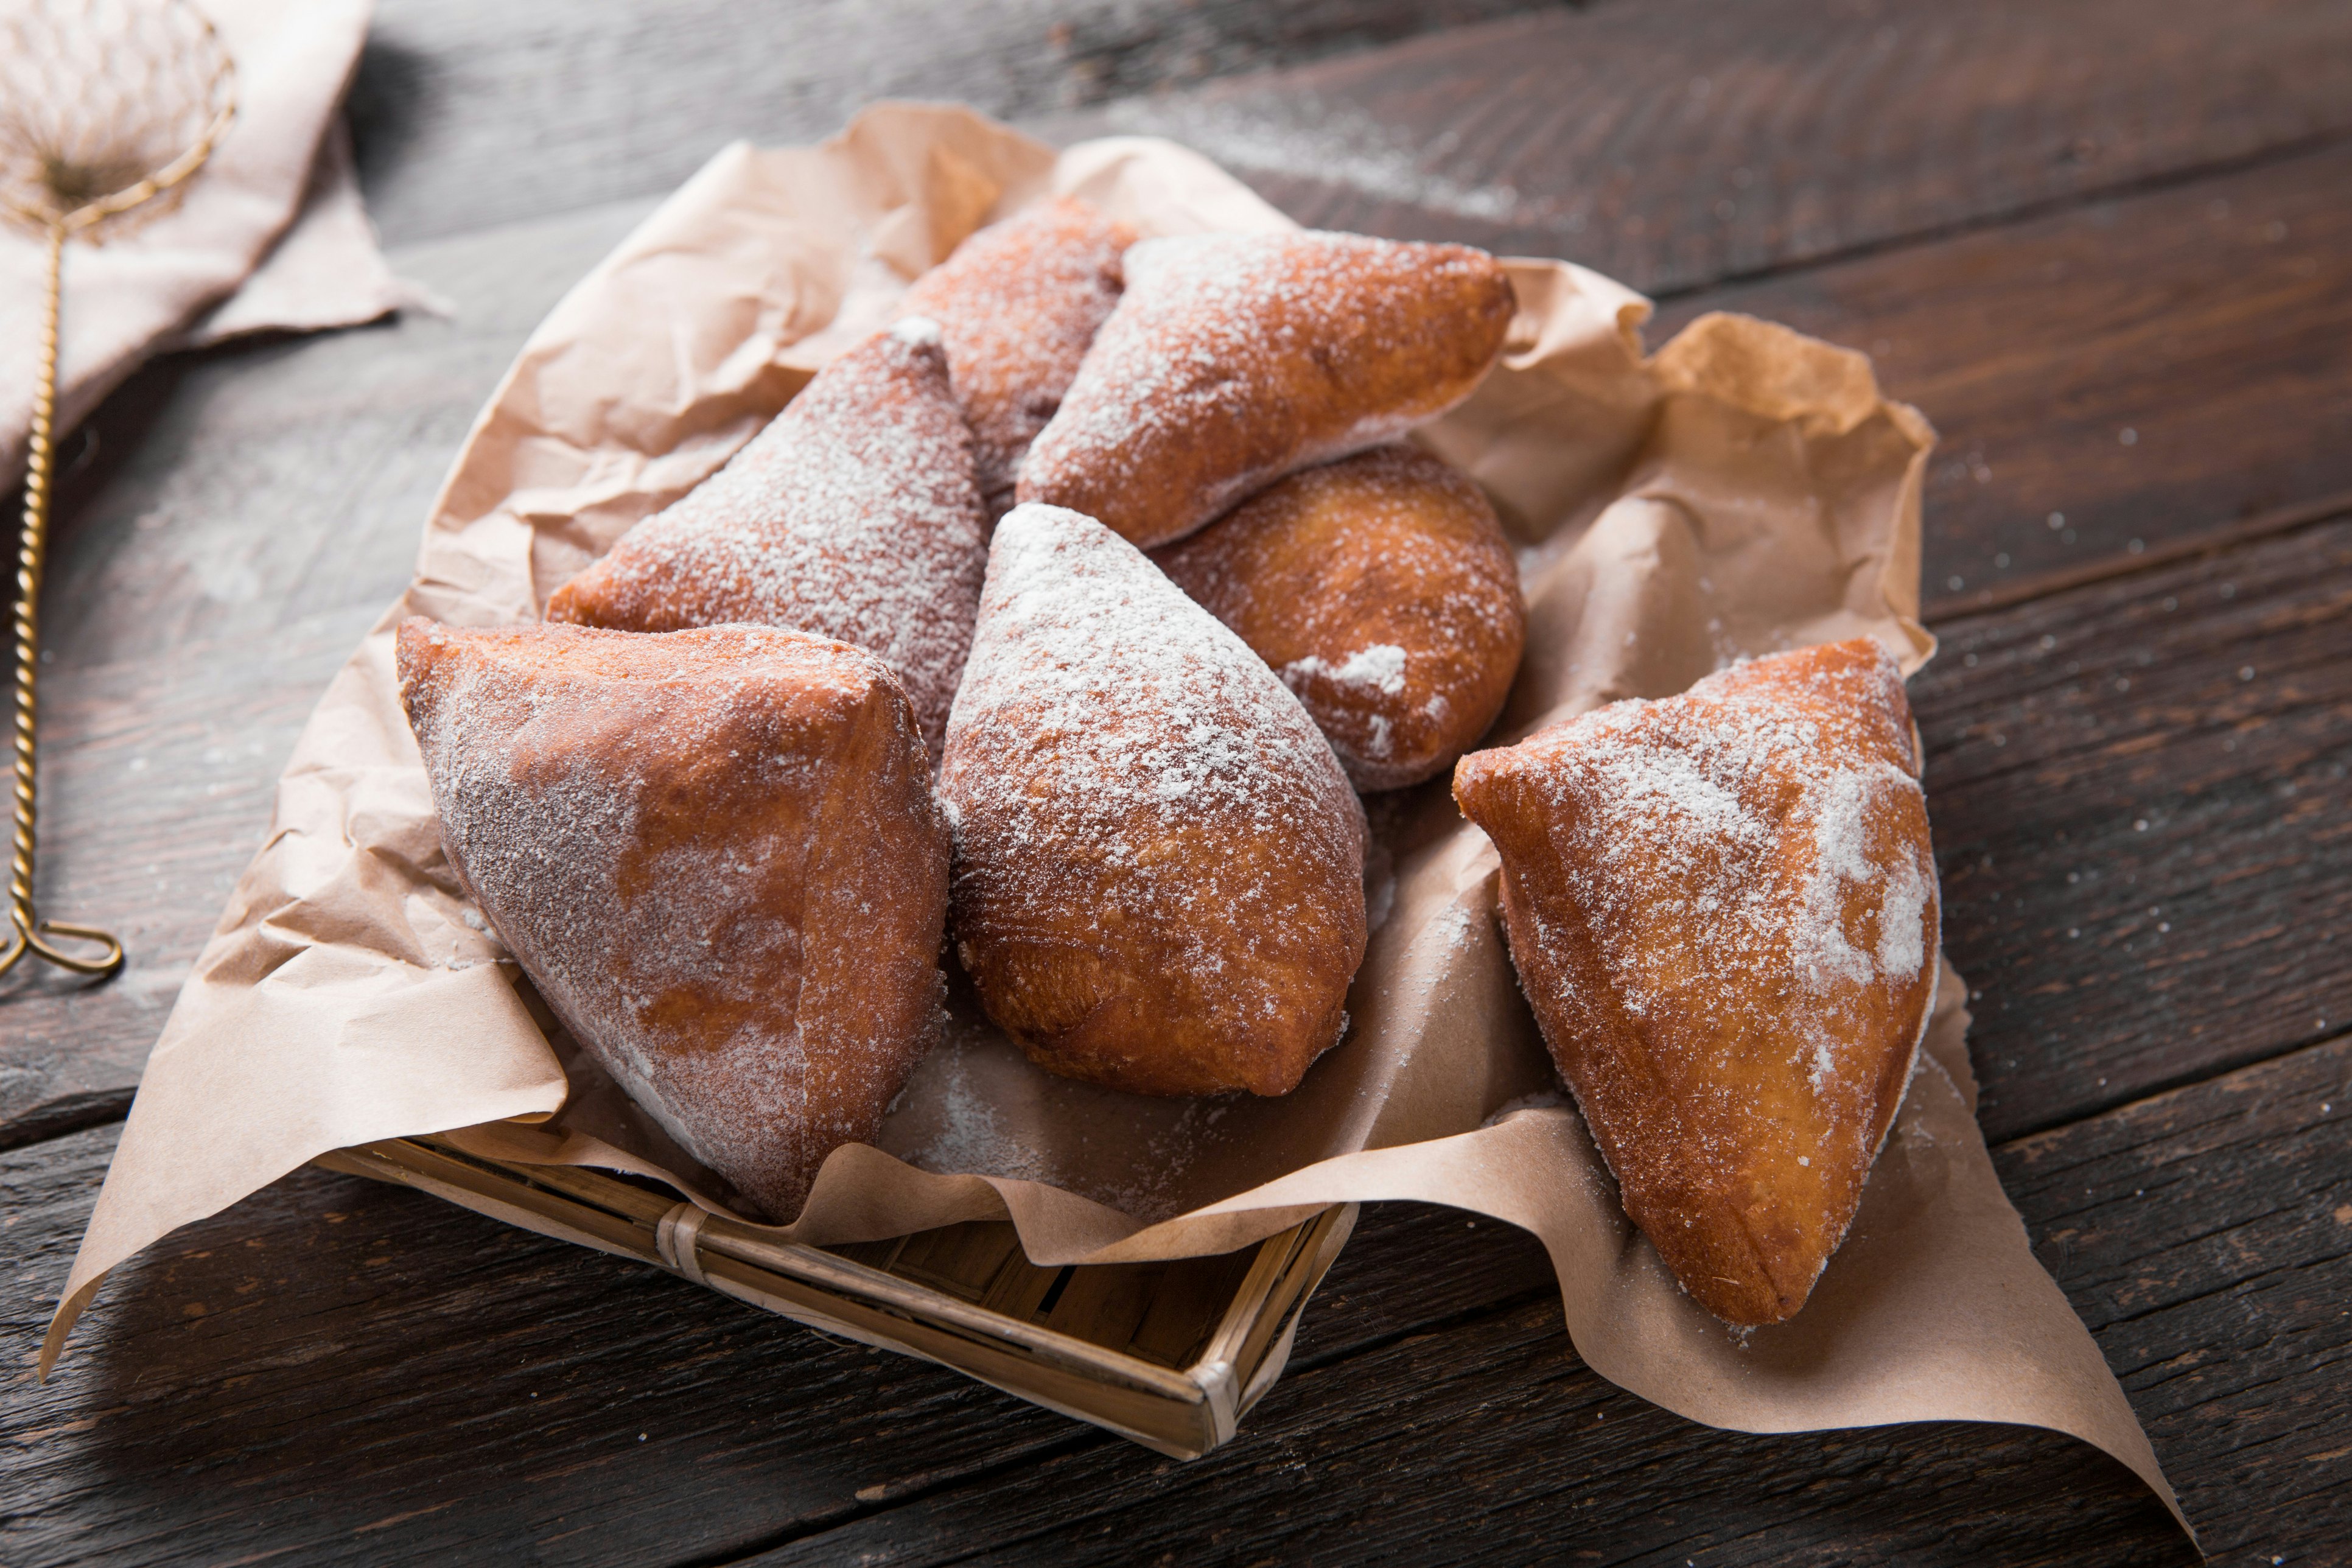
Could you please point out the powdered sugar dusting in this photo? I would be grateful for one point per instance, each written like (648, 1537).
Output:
(1679, 782)
(1123, 771)
(1233, 359)
(854, 514)
(1838, 806)
(1731, 956)
(1122, 679)
(1307, 137)
(1382, 590)
(1452, 926)
(1379, 666)
(1017, 304)
(972, 1138)
(734, 907)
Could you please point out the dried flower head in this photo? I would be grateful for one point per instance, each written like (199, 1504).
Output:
(106, 106)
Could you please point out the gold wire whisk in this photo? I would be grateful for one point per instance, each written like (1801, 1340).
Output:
(106, 108)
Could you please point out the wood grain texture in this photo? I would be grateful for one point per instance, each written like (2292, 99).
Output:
(469, 115)
(1679, 147)
(2143, 370)
(425, 1380)
(340, 1372)
(2206, 1237)
(1676, 144)
(1492, 1443)
(346, 1371)
(2138, 795)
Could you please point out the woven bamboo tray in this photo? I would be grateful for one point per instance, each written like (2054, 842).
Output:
(1170, 1354)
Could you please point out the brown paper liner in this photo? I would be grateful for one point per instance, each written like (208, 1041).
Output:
(1743, 490)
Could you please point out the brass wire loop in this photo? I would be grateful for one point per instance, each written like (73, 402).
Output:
(105, 107)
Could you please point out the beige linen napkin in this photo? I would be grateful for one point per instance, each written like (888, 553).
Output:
(232, 257)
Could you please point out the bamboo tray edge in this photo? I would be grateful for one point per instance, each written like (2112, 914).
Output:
(1092, 1342)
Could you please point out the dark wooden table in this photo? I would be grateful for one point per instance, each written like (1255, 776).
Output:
(2106, 246)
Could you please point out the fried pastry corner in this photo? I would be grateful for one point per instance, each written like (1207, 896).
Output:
(716, 854)
(1723, 908)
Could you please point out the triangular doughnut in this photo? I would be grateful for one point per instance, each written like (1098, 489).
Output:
(1723, 909)
(854, 514)
(1017, 304)
(716, 854)
(1158, 879)
(1233, 359)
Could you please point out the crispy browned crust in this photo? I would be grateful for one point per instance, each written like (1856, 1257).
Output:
(1381, 590)
(853, 515)
(1018, 302)
(715, 853)
(1233, 359)
(1723, 910)
(1159, 878)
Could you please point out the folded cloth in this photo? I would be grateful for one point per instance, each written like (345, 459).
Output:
(183, 277)
(324, 271)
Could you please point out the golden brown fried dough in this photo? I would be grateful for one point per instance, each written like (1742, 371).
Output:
(1723, 908)
(1158, 879)
(716, 854)
(1018, 303)
(854, 514)
(1381, 590)
(1233, 359)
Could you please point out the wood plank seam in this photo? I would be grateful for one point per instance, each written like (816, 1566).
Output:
(1502, 1306)
(2271, 524)
(2219, 1067)
(76, 1114)
(2063, 1172)
(1510, 1303)
(2152, 183)
(1079, 1439)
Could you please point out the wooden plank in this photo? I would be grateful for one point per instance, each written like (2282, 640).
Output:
(1676, 144)
(2142, 369)
(2136, 791)
(469, 115)
(2212, 318)
(422, 1380)
(2206, 1236)
(346, 1371)
(1493, 1443)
